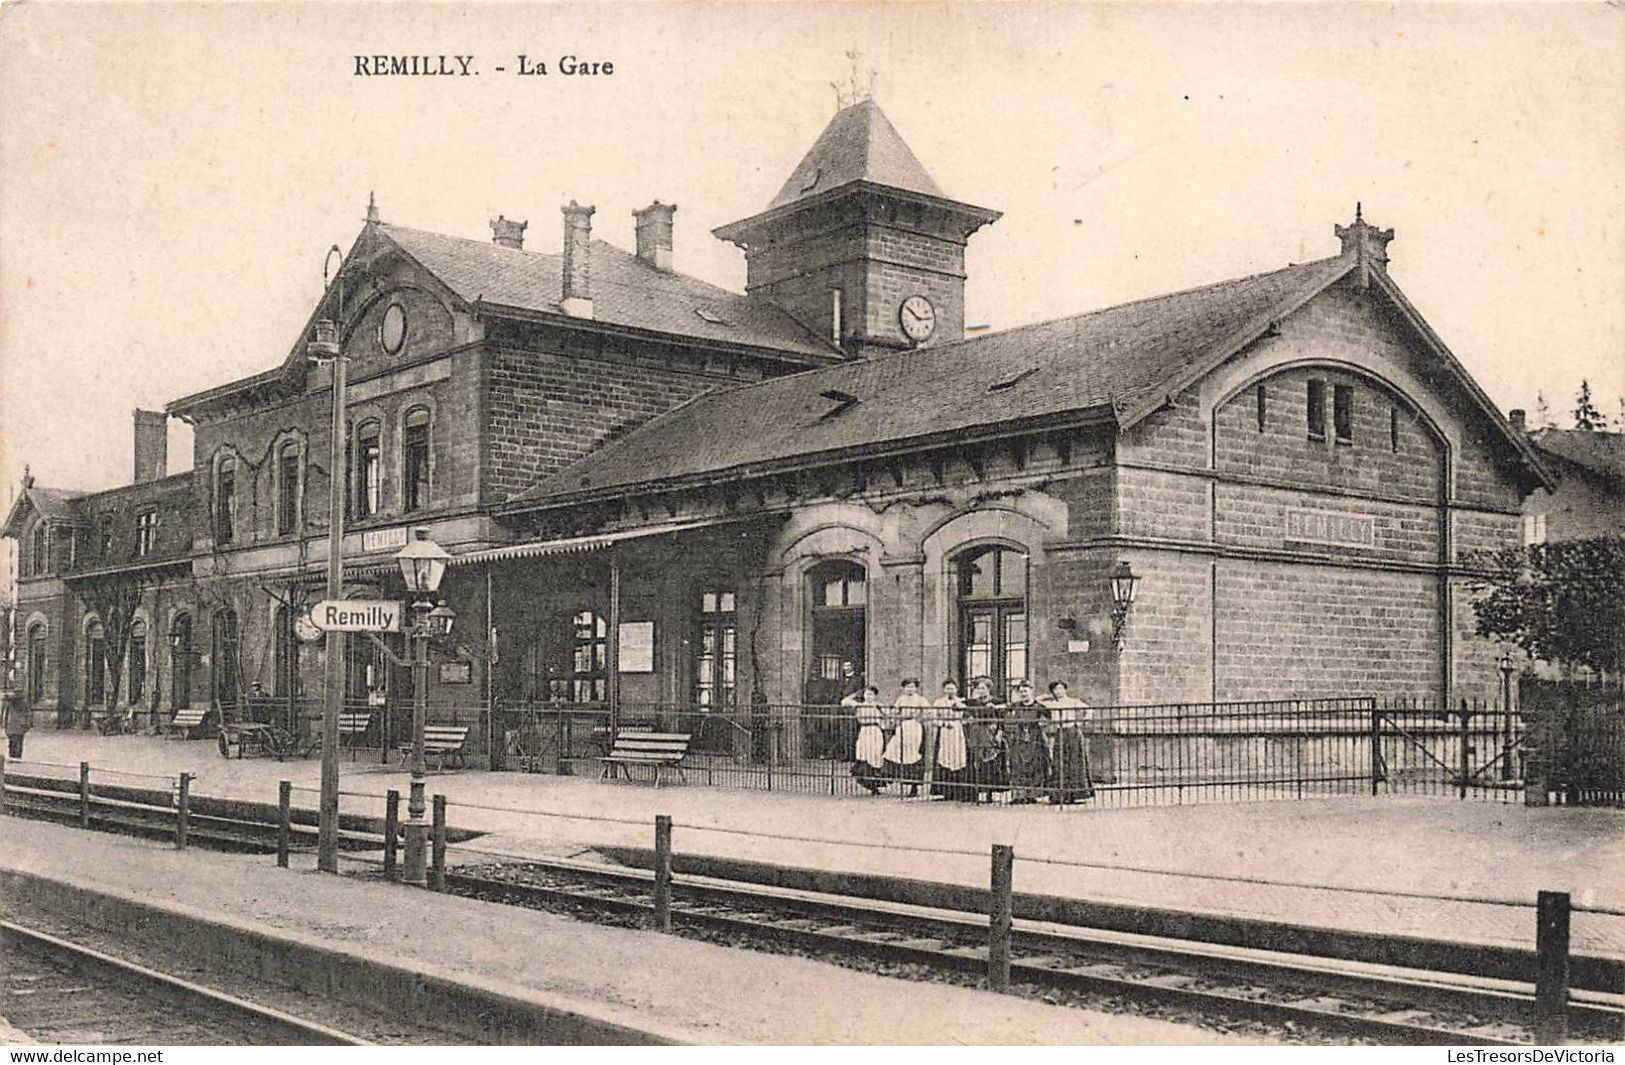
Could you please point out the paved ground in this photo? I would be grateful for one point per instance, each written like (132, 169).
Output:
(1332, 862)
(694, 990)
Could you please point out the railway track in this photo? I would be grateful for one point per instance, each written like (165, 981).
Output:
(1341, 1001)
(57, 991)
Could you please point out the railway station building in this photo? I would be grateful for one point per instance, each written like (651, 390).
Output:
(657, 492)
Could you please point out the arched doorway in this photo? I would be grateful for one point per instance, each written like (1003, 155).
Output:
(223, 659)
(990, 592)
(180, 662)
(837, 661)
(36, 664)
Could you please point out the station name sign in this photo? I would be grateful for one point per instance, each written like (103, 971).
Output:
(1328, 527)
(357, 615)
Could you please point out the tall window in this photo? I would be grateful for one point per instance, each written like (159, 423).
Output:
(95, 664)
(368, 469)
(105, 546)
(42, 548)
(1315, 413)
(991, 586)
(1263, 411)
(287, 655)
(137, 659)
(415, 459)
(1534, 529)
(180, 662)
(223, 658)
(838, 591)
(1343, 413)
(363, 669)
(146, 532)
(225, 500)
(288, 470)
(36, 663)
(716, 650)
(589, 661)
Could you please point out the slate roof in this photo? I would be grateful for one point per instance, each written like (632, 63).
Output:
(626, 291)
(859, 144)
(54, 504)
(1599, 453)
(1109, 360)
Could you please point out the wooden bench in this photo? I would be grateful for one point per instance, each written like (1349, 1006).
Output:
(352, 723)
(657, 750)
(441, 741)
(184, 723)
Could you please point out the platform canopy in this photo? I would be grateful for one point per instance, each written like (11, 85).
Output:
(579, 544)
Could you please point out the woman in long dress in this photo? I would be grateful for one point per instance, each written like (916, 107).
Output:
(1069, 762)
(903, 753)
(984, 743)
(869, 755)
(1027, 758)
(946, 771)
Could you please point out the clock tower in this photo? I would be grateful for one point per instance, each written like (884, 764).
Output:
(860, 245)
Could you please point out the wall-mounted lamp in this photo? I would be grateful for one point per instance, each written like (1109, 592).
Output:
(1067, 624)
(1124, 585)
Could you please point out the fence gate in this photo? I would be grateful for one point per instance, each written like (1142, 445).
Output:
(1472, 749)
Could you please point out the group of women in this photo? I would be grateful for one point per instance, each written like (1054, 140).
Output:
(971, 748)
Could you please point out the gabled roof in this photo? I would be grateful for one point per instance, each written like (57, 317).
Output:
(859, 144)
(1601, 454)
(52, 504)
(626, 291)
(1104, 363)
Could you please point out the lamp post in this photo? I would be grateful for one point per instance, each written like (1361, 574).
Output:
(325, 347)
(423, 563)
(1505, 666)
(1124, 585)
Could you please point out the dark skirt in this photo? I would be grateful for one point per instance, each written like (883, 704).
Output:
(1069, 773)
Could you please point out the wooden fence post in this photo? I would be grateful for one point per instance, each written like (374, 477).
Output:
(1465, 769)
(84, 794)
(392, 831)
(1552, 961)
(999, 914)
(437, 853)
(284, 827)
(183, 811)
(662, 873)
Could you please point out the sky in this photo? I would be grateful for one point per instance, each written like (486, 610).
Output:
(172, 176)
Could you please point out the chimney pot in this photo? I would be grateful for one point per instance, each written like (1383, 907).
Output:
(507, 233)
(576, 299)
(151, 446)
(654, 225)
(1517, 418)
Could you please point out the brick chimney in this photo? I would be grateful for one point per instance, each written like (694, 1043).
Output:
(576, 300)
(1367, 243)
(151, 446)
(654, 234)
(506, 233)
(1517, 418)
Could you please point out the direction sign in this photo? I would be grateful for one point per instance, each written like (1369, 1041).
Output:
(357, 615)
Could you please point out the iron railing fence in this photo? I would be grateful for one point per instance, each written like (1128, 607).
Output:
(1119, 756)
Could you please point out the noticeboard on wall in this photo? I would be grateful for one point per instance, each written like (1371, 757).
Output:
(637, 647)
(456, 673)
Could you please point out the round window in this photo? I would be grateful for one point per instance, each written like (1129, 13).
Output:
(392, 330)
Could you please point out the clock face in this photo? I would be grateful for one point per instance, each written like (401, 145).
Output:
(917, 317)
(306, 629)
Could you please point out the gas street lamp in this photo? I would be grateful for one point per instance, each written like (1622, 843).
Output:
(1124, 584)
(423, 563)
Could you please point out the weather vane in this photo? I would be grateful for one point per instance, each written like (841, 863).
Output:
(854, 89)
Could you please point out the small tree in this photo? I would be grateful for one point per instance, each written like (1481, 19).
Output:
(114, 600)
(1563, 602)
(1586, 414)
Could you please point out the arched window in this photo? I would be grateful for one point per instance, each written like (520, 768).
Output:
(136, 657)
(225, 500)
(180, 661)
(95, 664)
(838, 592)
(364, 672)
(368, 469)
(415, 459)
(289, 474)
(589, 657)
(715, 648)
(286, 681)
(990, 591)
(36, 663)
(223, 658)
